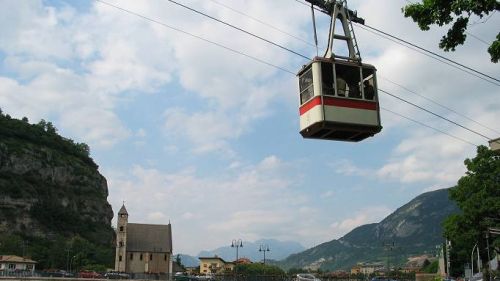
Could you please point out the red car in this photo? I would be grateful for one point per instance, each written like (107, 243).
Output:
(89, 274)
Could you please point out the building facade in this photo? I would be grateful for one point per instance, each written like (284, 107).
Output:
(142, 248)
(16, 263)
(214, 265)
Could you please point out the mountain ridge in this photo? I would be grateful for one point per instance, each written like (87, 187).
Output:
(413, 228)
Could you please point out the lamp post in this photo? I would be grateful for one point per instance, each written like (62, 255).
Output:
(237, 243)
(472, 261)
(71, 262)
(264, 248)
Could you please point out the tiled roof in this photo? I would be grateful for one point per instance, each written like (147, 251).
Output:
(212, 258)
(149, 238)
(15, 259)
(123, 210)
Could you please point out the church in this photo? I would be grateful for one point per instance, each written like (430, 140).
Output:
(142, 248)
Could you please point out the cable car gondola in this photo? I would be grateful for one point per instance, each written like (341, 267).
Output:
(338, 94)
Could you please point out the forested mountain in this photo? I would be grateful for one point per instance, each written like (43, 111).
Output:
(414, 228)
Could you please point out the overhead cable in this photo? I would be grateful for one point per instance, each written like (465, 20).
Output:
(397, 84)
(195, 36)
(272, 65)
(435, 54)
(432, 57)
(430, 127)
(239, 29)
(424, 51)
(435, 114)
(467, 32)
(437, 103)
(262, 22)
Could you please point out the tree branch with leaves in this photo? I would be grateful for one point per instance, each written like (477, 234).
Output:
(442, 12)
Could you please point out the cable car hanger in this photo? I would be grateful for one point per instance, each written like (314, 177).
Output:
(338, 94)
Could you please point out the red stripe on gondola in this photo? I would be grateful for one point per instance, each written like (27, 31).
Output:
(359, 104)
(310, 104)
(341, 102)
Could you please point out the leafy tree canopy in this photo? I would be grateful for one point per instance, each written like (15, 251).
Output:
(254, 269)
(457, 11)
(44, 133)
(478, 196)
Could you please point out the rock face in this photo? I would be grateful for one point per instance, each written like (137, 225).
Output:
(44, 191)
(413, 229)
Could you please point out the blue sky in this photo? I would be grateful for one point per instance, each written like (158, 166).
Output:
(187, 132)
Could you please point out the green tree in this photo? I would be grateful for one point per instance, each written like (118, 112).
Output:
(178, 261)
(255, 269)
(457, 11)
(430, 267)
(477, 194)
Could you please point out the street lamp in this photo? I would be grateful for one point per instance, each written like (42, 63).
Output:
(264, 248)
(237, 243)
(71, 262)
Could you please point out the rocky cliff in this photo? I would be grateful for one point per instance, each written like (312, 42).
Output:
(49, 186)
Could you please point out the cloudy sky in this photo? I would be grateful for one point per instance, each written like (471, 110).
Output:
(190, 132)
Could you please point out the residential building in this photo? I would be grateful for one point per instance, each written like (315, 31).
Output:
(215, 265)
(366, 268)
(16, 263)
(495, 144)
(142, 248)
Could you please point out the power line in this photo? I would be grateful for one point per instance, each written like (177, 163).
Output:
(265, 62)
(430, 56)
(448, 108)
(438, 104)
(430, 127)
(435, 114)
(477, 38)
(262, 22)
(195, 36)
(434, 54)
(239, 29)
(470, 24)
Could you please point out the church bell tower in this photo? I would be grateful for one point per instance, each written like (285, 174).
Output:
(121, 240)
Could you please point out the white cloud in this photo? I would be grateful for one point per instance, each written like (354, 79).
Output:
(253, 201)
(347, 168)
(361, 217)
(75, 70)
(84, 70)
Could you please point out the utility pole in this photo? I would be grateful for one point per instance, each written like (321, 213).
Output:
(67, 260)
(25, 244)
(389, 247)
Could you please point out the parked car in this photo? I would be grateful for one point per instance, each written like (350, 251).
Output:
(89, 274)
(306, 277)
(477, 277)
(56, 273)
(116, 275)
(383, 278)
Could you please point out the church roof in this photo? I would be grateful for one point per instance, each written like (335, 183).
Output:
(149, 238)
(123, 210)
